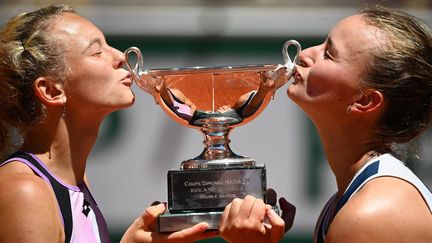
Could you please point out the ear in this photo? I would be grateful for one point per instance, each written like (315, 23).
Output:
(369, 100)
(49, 91)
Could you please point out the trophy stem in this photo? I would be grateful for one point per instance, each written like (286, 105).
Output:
(216, 142)
(217, 153)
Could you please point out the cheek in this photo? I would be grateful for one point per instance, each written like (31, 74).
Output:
(97, 79)
(336, 85)
(90, 87)
(320, 81)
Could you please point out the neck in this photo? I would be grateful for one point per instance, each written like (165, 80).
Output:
(63, 146)
(347, 150)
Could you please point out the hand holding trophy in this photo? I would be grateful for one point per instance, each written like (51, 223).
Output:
(212, 100)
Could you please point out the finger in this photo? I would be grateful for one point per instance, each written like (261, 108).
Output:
(196, 232)
(288, 213)
(158, 88)
(150, 215)
(257, 215)
(271, 83)
(224, 217)
(258, 211)
(277, 226)
(246, 207)
(234, 209)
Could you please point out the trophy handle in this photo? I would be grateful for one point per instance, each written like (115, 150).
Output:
(138, 66)
(289, 63)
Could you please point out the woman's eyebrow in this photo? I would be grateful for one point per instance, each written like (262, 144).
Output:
(96, 40)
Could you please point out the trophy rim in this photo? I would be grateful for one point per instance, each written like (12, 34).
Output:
(233, 161)
(211, 69)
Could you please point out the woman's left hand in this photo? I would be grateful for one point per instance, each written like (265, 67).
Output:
(251, 220)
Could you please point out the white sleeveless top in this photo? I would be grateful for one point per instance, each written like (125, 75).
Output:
(384, 165)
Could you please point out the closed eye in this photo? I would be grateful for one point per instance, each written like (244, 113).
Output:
(97, 53)
(327, 55)
(330, 51)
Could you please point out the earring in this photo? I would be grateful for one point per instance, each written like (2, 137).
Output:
(349, 109)
(64, 108)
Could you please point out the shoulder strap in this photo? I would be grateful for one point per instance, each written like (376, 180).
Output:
(240, 110)
(61, 193)
(370, 170)
(326, 219)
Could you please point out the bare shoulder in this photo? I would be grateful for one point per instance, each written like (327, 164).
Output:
(28, 211)
(386, 209)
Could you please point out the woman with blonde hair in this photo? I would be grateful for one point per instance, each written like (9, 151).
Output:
(58, 80)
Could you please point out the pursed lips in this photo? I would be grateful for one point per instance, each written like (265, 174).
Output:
(297, 77)
(126, 80)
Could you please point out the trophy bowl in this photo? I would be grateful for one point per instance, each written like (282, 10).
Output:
(213, 100)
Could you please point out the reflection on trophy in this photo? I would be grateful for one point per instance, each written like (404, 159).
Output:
(212, 100)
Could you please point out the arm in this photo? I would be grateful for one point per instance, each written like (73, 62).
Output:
(144, 230)
(386, 209)
(164, 93)
(28, 210)
(180, 96)
(270, 82)
(167, 96)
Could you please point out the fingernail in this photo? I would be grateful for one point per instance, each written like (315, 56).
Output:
(155, 203)
(272, 213)
(204, 226)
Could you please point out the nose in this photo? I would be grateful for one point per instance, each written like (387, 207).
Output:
(118, 58)
(305, 59)
(308, 56)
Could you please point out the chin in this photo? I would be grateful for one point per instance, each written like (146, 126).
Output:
(291, 92)
(296, 97)
(126, 103)
(129, 103)
(130, 100)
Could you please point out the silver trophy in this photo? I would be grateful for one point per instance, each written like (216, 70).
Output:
(213, 100)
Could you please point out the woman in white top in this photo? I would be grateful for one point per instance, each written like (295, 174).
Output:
(367, 87)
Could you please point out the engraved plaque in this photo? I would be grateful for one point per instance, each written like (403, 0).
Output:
(213, 189)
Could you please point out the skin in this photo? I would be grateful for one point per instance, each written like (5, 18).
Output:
(327, 88)
(326, 84)
(168, 99)
(251, 220)
(96, 85)
(267, 85)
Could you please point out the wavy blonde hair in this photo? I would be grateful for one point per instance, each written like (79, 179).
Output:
(27, 51)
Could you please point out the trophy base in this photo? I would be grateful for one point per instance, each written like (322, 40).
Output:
(168, 222)
(210, 190)
(201, 195)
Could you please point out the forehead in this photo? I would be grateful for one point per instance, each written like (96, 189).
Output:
(353, 36)
(74, 31)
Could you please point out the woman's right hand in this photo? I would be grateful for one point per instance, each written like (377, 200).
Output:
(143, 230)
(251, 220)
